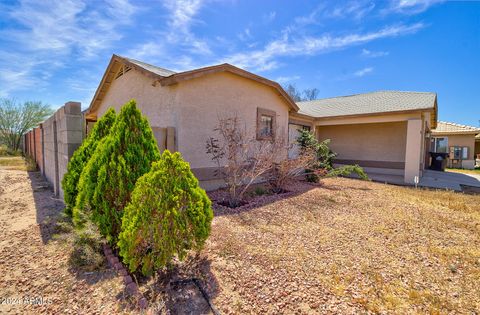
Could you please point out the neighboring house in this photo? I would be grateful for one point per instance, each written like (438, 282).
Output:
(383, 131)
(457, 140)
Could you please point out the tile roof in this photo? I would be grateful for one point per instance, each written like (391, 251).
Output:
(444, 127)
(368, 103)
(157, 70)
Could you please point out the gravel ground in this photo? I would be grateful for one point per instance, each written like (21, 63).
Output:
(341, 247)
(35, 274)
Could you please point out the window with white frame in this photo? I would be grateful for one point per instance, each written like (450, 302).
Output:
(459, 153)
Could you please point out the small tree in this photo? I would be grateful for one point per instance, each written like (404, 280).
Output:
(110, 176)
(81, 156)
(324, 159)
(16, 119)
(168, 215)
(241, 158)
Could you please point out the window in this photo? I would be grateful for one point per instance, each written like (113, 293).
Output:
(266, 124)
(459, 153)
(439, 145)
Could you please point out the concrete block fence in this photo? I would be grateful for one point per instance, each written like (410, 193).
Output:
(53, 142)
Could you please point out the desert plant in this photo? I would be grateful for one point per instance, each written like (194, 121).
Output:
(241, 159)
(347, 170)
(81, 156)
(323, 166)
(286, 170)
(112, 171)
(168, 215)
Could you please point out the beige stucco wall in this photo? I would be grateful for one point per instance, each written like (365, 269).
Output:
(367, 142)
(193, 107)
(200, 102)
(155, 102)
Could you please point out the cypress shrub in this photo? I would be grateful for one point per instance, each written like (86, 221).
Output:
(168, 215)
(110, 176)
(80, 158)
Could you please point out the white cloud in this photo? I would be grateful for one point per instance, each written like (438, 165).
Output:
(411, 6)
(50, 33)
(287, 79)
(182, 17)
(374, 54)
(363, 72)
(61, 27)
(288, 45)
(245, 35)
(352, 9)
(267, 18)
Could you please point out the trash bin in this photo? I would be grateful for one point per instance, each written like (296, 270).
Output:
(439, 161)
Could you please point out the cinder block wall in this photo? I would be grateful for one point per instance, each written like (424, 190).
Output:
(52, 143)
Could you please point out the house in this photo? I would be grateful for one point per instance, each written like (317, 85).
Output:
(183, 108)
(383, 131)
(459, 141)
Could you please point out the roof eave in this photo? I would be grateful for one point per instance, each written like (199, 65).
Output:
(104, 85)
(372, 114)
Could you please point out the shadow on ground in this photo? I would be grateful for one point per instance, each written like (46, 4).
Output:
(48, 207)
(186, 288)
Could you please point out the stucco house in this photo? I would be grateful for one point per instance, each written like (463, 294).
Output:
(383, 131)
(459, 141)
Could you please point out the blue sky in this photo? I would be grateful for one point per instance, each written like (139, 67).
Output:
(56, 51)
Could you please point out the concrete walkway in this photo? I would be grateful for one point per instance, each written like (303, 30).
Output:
(448, 180)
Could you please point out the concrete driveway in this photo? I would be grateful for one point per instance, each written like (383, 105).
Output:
(448, 180)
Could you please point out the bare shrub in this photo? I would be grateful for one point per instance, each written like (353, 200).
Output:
(286, 170)
(242, 159)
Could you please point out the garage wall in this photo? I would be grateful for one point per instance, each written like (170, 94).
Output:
(384, 142)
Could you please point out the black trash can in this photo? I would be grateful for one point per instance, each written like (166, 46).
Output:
(439, 161)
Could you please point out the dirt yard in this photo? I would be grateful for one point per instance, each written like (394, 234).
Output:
(344, 246)
(35, 274)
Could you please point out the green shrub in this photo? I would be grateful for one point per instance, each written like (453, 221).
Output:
(110, 176)
(86, 187)
(325, 156)
(80, 158)
(168, 215)
(347, 170)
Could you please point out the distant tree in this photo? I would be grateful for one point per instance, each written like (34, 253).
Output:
(294, 93)
(17, 118)
(301, 96)
(310, 94)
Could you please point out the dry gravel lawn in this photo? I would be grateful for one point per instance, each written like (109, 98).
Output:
(344, 246)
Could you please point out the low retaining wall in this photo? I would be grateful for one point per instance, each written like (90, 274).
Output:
(53, 142)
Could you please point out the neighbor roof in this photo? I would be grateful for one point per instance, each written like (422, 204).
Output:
(168, 77)
(444, 127)
(380, 102)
